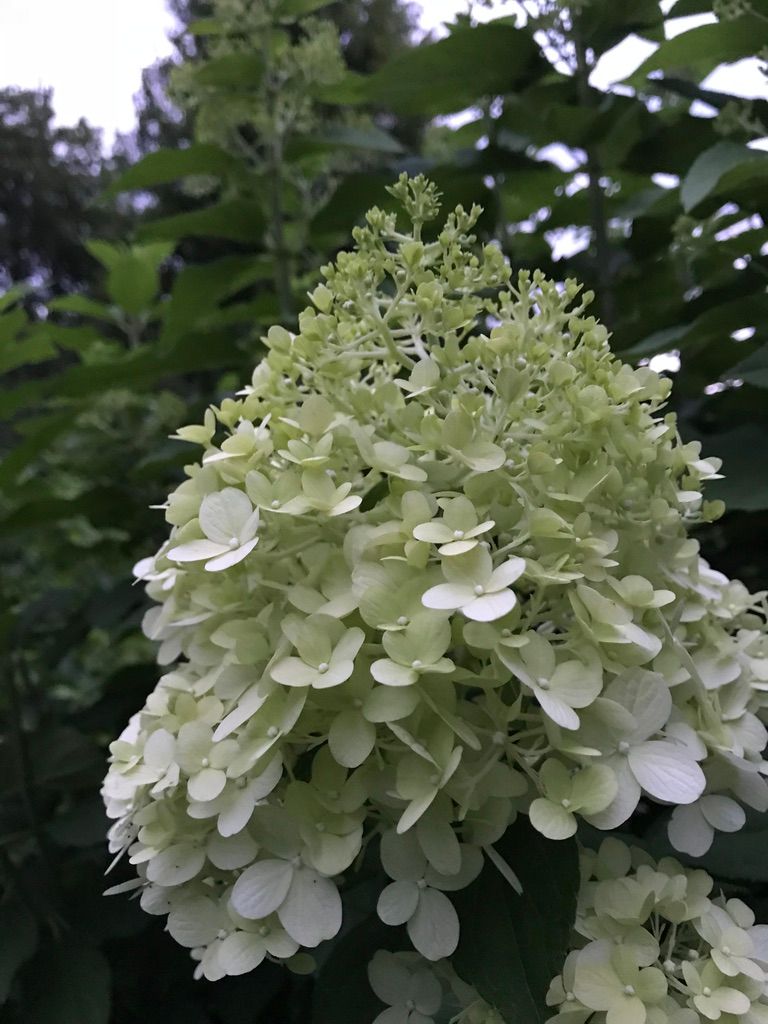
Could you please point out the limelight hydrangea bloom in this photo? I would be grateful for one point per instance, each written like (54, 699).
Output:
(432, 569)
(655, 945)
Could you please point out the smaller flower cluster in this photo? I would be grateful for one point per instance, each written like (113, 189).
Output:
(656, 946)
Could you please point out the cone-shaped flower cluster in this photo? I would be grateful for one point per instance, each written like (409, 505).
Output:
(657, 945)
(432, 570)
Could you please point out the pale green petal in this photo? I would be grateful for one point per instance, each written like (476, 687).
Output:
(241, 952)
(666, 772)
(177, 864)
(397, 902)
(552, 820)
(195, 921)
(388, 704)
(312, 909)
(434, 927)
(389, 673)
(351, 738)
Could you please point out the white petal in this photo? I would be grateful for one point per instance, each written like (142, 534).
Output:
(262, 888)
(397, 902)
(506, 574)
(723, 813)
(223, 514)
(625, 801)
(666, 772)
(231, 557)
(195, 921)
(688, 830)
(231, 852)
(447, 596)
(176, 864)
(490, 607)
(312, 909)
(241, 952)
(434, 928)
(551, 820)
(556, 709)
(206, 784)
(196, 551)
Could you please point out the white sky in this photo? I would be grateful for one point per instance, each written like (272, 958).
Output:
(92, 52)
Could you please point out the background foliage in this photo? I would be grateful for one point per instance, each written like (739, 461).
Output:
(143, 284)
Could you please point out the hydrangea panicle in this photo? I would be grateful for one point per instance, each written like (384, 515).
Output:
(432, 570)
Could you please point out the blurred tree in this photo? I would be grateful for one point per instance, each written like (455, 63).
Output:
(50, 178)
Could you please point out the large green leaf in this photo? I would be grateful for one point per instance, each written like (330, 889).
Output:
(753, 369)
(711, 167)
(232, 71)
(287, 10)
(166, 165)
(701, 49)
(76, 987)
(512, 945)
(19, 941)
(453, 73)
(745, 467)
(236, 220)
(342, 993)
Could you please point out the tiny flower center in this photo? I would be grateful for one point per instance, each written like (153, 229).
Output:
(421, 883)
(221, 933)
(706, 991)
(241, 783)
(234, 542)
(479, 589)
(669, 966)
(623, 747)
(410, 1005)
(205, 763)
(323, 667)
(692, 954)
(403, 620)
(320, 826)
(569, 997)
(726, 950)
(458, 534)
(566, 803)
(272, 731)
(274, 503)
(416, 663)
(629, 990)
(264, 931)
(498, 738)
(506, 632)
(542, 683)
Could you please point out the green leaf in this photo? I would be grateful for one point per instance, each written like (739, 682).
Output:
(132, 283)
(167, 165)
(76, 988)
(287, 10)
(81, 304)
(717, 163)
(20, 931)
(745, 467)
(348, 137)
(454, 73)
(512, 945)
(701, 49)
(753, 369)
(233, 71)
(346, 970)
(237, 220)
(207, 27)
